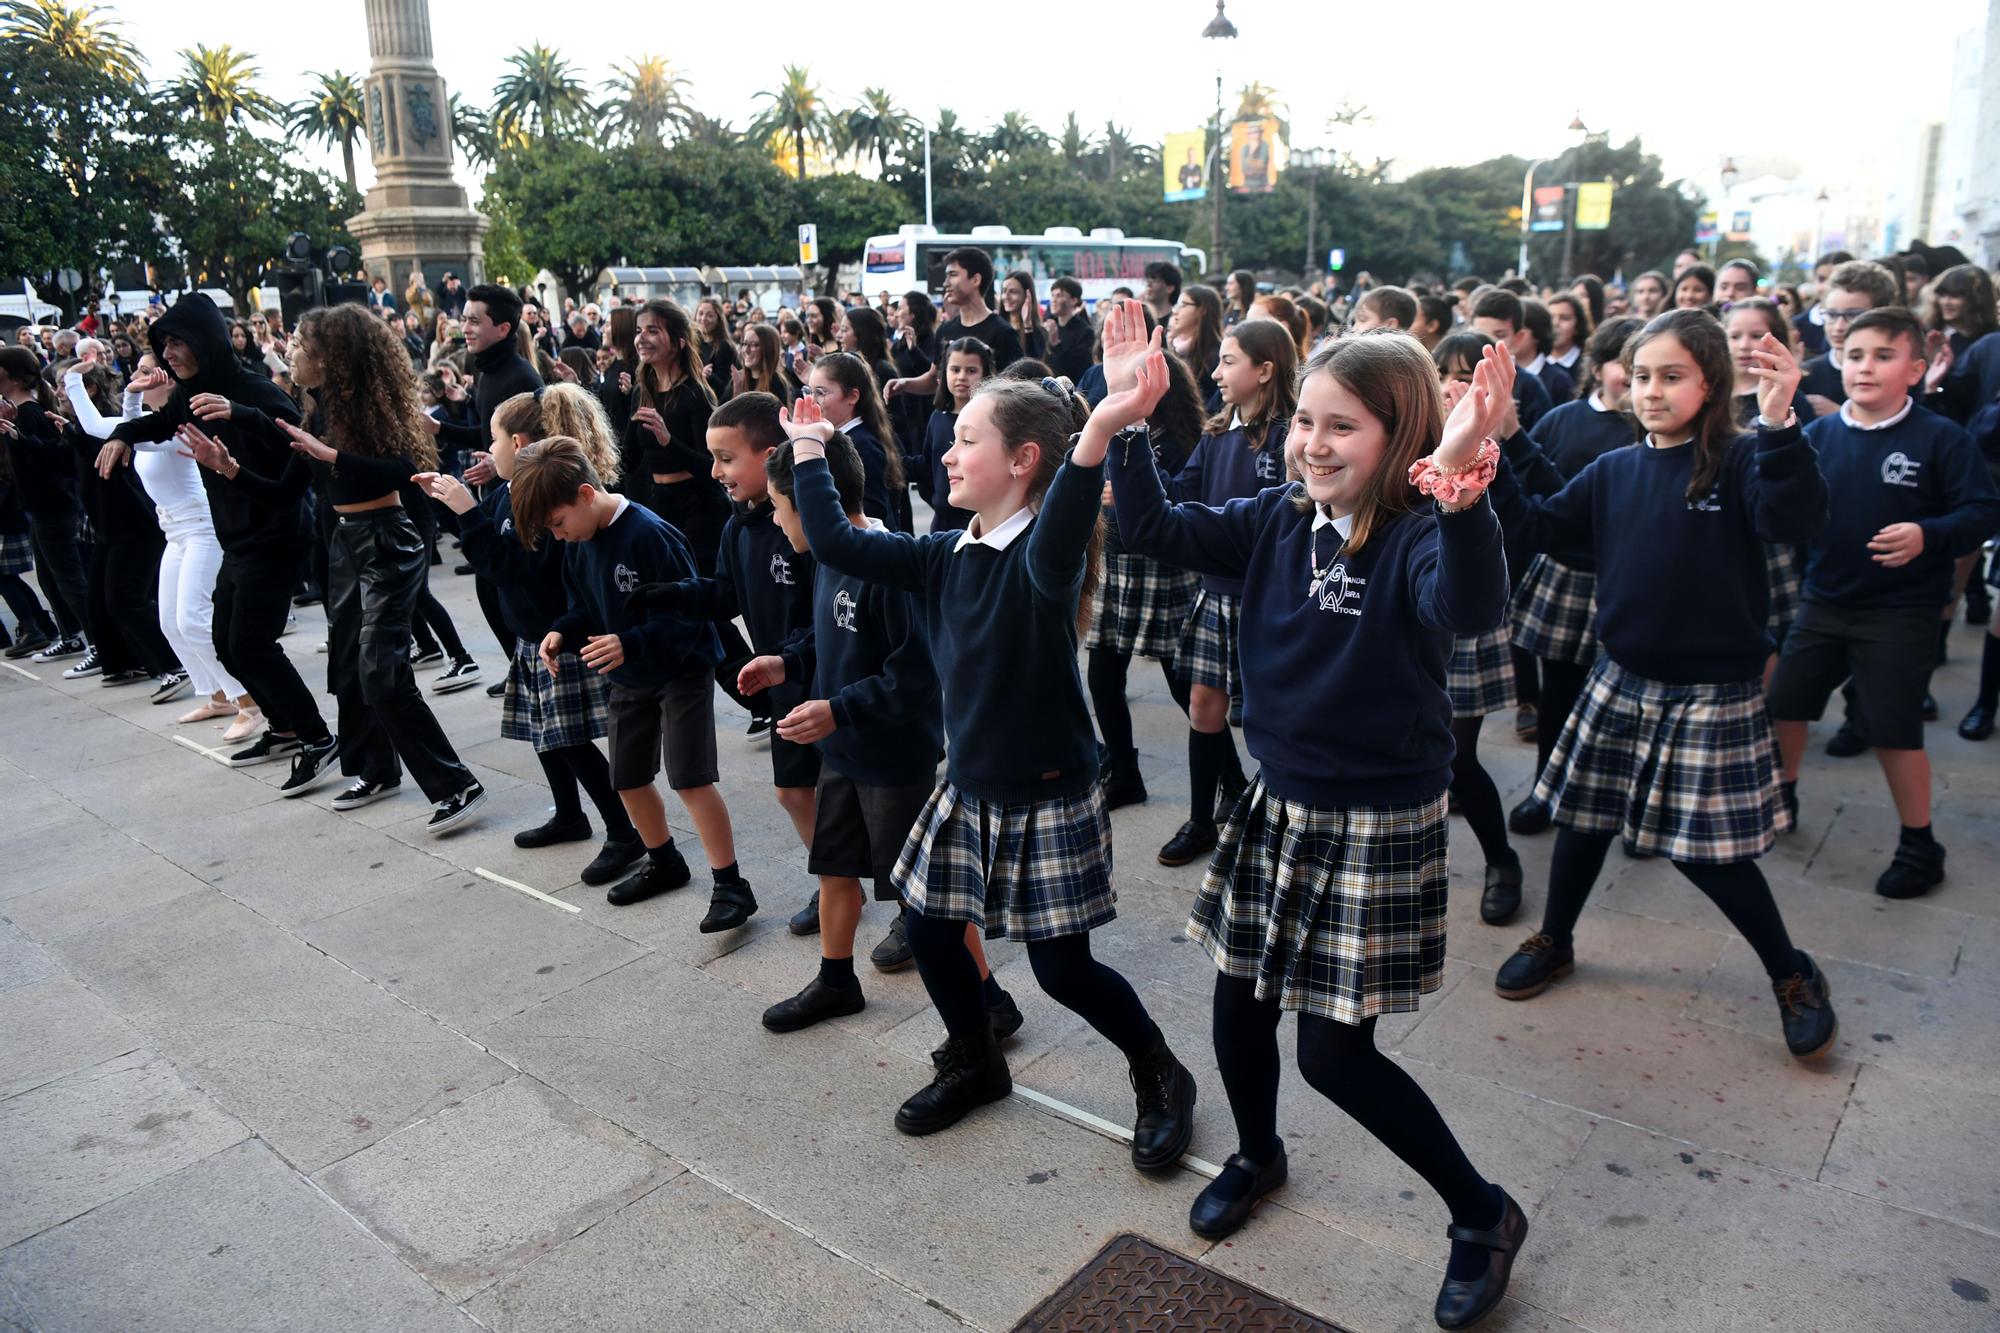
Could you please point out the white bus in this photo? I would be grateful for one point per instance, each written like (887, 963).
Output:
(913, 259)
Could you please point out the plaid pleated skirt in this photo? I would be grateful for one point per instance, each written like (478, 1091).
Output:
(1781, 567)
(552, 712)
(17, 553)
(1552, 611)
(1480, 679)
(1142, 606)
(1027, 870)
(1685, 772)
(1335, 912)
(1207, 654)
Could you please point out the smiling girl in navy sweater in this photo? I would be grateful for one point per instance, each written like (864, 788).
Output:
(968, 363)
(1670, 745)
(1015, 837)
(1327, 892)
(1241, 453)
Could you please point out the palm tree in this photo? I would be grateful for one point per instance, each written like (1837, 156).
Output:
(951, 143)
(876, 124)
(1074, 143)
(472, 133)
(333, 114)
(540, 94)
(1015, 135)
(650, 98)
(218, 85)
(709, 130)
(76, 35)
(1117, 144)
(796, 113)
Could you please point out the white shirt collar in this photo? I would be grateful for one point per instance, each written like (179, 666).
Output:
(1569, 358)
(618, 512)
(1847, 416)
(1534, 367)
(1344, 525)
(1001, 537)
(1236, 421)
(877, 525)
(852, 424)
(1597, 403)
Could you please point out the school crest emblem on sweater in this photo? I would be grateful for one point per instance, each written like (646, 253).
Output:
(1899, 469)
(844, 611)
(781, 569)
(1337, 590)
(626, 578)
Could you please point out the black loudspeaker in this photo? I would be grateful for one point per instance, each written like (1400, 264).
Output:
(346, 293)
(299, 290)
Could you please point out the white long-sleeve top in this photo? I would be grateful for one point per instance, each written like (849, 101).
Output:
(171, 481)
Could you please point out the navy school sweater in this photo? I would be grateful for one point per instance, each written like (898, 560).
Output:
(529, 583)
(1001, 628)
(1923, 470)
(638, 547)
(1531, 400)
(865, 656)
(938, 435)
(874, 470)
(1560, 384)
(1227, 467)
(1820, 375)
(1682, 593)
(760, 577)
(1344, 699)
(1561, 445)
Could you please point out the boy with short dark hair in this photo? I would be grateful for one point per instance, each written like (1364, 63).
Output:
(1500, 315)
(1908, 494)
(759, 576)
(661, 666)
(1384, 308)
(1851, 290)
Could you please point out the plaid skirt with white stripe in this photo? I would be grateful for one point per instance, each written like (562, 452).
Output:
(1480, 679)
(552, 712)
(17, 553)
(1552, 612)
(1142, 606)
(1335, 912)
(1208, 649)
(1685, 772)
(1781, 567)
(1027, 870)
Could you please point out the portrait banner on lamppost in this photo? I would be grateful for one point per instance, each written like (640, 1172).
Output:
(1184, 164)
(1256, 156)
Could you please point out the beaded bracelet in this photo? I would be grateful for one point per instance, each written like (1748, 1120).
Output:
(1447, 484)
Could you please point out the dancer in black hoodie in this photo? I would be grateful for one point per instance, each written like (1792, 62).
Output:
(261, 540)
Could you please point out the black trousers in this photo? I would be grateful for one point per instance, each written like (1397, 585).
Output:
(125, 605)
(376, 571)
(253, 595)
(57, 542)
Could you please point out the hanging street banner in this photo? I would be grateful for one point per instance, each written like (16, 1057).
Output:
(1256, 156)
(1548, 214)
(1593, 205)
(1182, 162)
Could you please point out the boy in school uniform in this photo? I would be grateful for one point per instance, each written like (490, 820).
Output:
(1908, 494)
(1500, 315)
(1851, 290)
(761, 577)
(660, 663)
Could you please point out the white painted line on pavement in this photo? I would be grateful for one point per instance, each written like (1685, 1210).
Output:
(1098, 1124)
(23, 671)
(217, 755)
(484, 873)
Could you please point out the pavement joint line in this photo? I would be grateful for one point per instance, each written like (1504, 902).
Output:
(484, 873)
(1097, 1124)
(20, 670)
(199, 748)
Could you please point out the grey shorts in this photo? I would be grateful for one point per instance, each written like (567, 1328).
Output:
(672, 722)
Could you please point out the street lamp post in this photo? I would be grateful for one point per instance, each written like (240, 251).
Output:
(1219, 29)
(1727, 176)
(1576, 126)
(1314, 161)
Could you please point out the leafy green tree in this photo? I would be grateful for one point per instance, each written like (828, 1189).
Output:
(218, 85)
(848, 209)
(540, 95)
(1015, 136)
(80, 37)
(472, 133)
(333, 114)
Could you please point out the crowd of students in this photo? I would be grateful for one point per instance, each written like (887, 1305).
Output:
(1633, 513)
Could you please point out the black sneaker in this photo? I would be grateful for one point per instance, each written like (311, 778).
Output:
(554, 831)
(1223, 1207)
(1977, 724)
(893, 953)
(1500, 902)
(309, 765)
(68, 645)
(613, 860)
(805, 921)
(652, 880)
(362, 792)
(758, 732)
(455, 810)
(1538, 962)
(816, 1003)
(89, 666)
(971, 1075)
(420, 657)
(1194, 839)
(1847, 742)
(1788, 796)
(457, 676)
(1164, 1123)
(1123, 786)
(1805, 1006)
(1003, 1016)
(174, 685)
(497, 690)
(729, 906)
(129, 676)
(1229, 790)
(1930, 707)
(32, 642)
(1528, 818)
(1526, 724)
(461, 569)
(1916, 869)
(264, 749)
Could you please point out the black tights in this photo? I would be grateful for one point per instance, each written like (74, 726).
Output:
(1738, 888)
(1478, 798)
(1063, 968)
(1341, 1062)
(1106, 676)
(1562, 685)
(585, 764)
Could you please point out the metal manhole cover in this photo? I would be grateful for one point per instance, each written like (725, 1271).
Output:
(1134, 1286)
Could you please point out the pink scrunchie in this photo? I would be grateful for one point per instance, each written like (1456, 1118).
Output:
(1447, 485)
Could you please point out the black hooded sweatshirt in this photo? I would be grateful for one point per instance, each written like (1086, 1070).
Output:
(500, 373)
(243, 522)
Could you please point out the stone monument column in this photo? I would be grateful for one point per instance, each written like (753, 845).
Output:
(416, 214)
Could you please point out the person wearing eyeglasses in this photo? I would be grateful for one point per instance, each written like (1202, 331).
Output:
(1850, 291)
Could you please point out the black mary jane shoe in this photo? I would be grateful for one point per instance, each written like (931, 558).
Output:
(1463, 1302)
(1500, 902)
(1529, 818)
(1977, 724)
(1216, 1215)
(729, 907)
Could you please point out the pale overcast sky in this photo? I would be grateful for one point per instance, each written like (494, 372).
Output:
(1425, 72)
